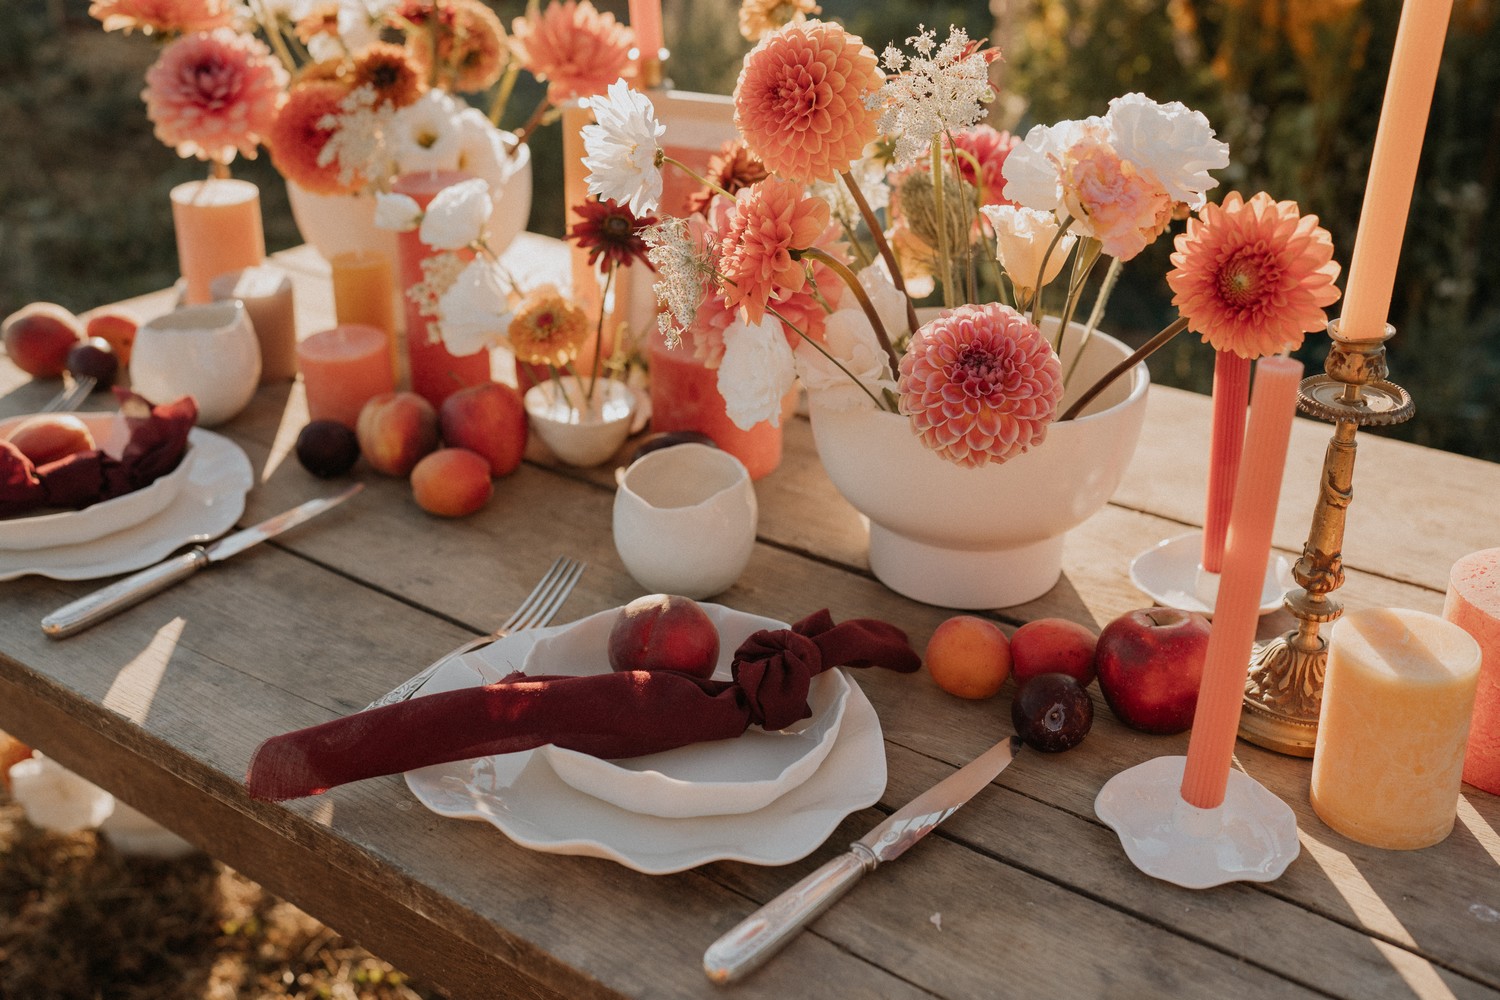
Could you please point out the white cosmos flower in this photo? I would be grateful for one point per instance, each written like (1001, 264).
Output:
(474, 312)
(1171, 142)
(622, 149)
(399, 212)
(425, 134)
(457, 215)
(56, 799)
(1022, 236)
(756, 372)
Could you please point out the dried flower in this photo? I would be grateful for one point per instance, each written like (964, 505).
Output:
(612, 231)
(162, 16)
(732, 169)
(756, 372)
(760, 16)
(770, 220)
(548, 329)
(473, 313)
(576, 49)
(1253, 276)
(980, 384)
(440, 272)
(297, 137)
(214, 94)
(388, 71)
(682, 264)
(942, 88)
(1022, 238)
(622, 151)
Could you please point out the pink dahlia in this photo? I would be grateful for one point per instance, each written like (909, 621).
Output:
(1253, 276)
(769, 221)
(161, 16)
(576, 49)
(800, 101)
(980, 384)
(214, 94)
(984, 148)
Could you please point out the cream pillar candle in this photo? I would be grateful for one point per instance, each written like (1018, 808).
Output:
(1397, 694)
(218, 229)
(1474, 605)
(266, 292)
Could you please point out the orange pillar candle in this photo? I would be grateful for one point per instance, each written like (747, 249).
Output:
(218, 229)
(685, 397)
(364, 292)
(1247, 550)
(266, 292)
(1397, 694)
(1231, 394)
(1393, 167)
(1473, 604)
(342, 369)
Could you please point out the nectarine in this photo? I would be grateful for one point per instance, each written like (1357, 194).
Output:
(968, 656)
(452, 482)
(395, 429)
(39, 336)
(664, 632)
(51, 436)
(1053, 645)
(490, 419)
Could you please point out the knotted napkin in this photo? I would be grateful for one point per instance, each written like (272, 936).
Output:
(614, 715)
(158, 437)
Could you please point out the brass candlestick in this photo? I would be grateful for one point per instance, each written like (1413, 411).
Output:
(1284, 691)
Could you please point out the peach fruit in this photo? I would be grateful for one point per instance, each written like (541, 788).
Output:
(1053, 645)
(664, 632)
(115, 327)
(50, 436)
(968, 656)
(395, 429)
(452, 482)
(489, 419)
(39, 336)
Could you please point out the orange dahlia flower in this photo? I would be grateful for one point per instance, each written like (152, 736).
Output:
(769, 221)
(296, 138)
(390, 72)
(576, 49)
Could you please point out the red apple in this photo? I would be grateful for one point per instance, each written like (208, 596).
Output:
(395, 429)
(38, 338)
(664, 632)
(1053, 645)
(48, 437)
(489, 419)
(1150, 663)
(452, 482)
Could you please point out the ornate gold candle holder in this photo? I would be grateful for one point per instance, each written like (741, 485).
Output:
(1284, 691)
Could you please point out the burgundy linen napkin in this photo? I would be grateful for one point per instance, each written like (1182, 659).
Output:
(158, 437)
(607, 715)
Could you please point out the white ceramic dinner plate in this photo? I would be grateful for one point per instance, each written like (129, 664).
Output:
(710, 779)
(71, 527)
(210, 500)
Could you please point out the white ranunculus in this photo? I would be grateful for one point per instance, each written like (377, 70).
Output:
(1171, 142)
(474, 313)
(398, 212)
(756, 372)
(888, 300)
(1022, 236)
(457, 215)
(621, 149)
(425, 135)
(56, 799)
(849, 337)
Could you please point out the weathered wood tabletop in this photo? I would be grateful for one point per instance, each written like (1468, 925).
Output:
(1022, 892)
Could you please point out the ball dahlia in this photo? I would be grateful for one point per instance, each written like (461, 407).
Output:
(213, 94)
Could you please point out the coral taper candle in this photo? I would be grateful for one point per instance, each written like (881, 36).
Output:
(1231, 395)
(1397, 695)
(1473, 605)
(342, 369)
(218, 229)
(1393, 167)
(1247, 549)
(645, 20)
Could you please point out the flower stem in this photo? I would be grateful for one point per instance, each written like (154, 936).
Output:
(1083, 266)
(1041, 272)
(841, 269)
(945, 261)
(503, 91)
(1141, 353)
(609, 277)
(824, 351)
(270, 26)
(878, 235)
(524, 132)
(1096, 313)
(696, 176)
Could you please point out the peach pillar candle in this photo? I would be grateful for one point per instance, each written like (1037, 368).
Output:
(1247, 550)
(266, 292)
(1393, 167)
(1473, 605)
(1397, 693)
(685, 397)
(1231, 395)
(342, 369)
(218, 228)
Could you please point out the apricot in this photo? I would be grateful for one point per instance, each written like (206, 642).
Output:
(452, 482)
(114, 327)
(395, 429)
(1053, 645)
(968, 657)
(38, 337)
(490, 419)
(664, 632)
(51, 436)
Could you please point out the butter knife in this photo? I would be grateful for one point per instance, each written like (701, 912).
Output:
(91, 609)
(760, 935)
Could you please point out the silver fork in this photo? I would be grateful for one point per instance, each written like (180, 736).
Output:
(70, 397)
(538, 609)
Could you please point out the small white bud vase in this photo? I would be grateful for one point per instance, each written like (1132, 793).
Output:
(209, 352)
(580, 431)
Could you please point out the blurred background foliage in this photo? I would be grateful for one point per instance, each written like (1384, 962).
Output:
(1294, 87)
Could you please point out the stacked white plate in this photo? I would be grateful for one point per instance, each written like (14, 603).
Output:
(763, 797)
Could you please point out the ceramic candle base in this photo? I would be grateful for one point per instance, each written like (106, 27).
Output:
(1251, 837)
(1170, 574)
(685, 397)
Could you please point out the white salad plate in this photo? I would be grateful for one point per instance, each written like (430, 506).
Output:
(71, 527)
(724, 776)
(210, 500)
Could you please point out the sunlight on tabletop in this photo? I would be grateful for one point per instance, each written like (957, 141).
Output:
(134, 687)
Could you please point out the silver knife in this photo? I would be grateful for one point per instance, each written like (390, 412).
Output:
(760, 935)
(73, 618)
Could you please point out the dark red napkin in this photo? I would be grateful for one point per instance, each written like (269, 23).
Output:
(158, 437)
(607, 715)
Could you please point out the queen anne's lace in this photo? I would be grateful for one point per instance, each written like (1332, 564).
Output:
(942, 88)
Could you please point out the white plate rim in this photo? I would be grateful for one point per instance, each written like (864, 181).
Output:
(1167, 573)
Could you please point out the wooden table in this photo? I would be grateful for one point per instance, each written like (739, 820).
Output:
(1022, 892)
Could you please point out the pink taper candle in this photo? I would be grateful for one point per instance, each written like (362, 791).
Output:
(1393, 167)
(1246, 552)
(645, 19)
(1231, 395)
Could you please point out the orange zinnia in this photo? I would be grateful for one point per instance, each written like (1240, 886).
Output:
(547, 329)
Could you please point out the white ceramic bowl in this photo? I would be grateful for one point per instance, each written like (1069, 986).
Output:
(580, 438)
(721, 777)
(70, 527)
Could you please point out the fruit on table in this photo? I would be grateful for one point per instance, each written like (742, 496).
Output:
(968, 656)
(452, 482)
(664, 632)
(48, 437)
(1150, 663)
(395, 429)
(95, 359)
(115, 327)
(1052, 712)
(490, 419)
(38, 337)
(1053, 645)
(327, 448)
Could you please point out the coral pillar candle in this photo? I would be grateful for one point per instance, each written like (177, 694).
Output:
(435, 373)
(343, 368)
(1231, 394)
(1397, 694)
(1393, 167)
(218, 228)
(685, 397)
(1473, 605)
(1247, 550)
(266, 292)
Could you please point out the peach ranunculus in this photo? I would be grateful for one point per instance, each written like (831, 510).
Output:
(162, 16)
(213, 94)
(1253, 276)
(801, 100)
(980, 384)
(770, 221)
(576, 49)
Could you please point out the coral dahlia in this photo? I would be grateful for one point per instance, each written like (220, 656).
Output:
(297, 137)
(161, 16)
(770, 220)
(214, 94)
(576, 49)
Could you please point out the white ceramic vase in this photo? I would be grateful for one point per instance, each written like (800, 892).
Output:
(209, 352)
(988, 537)
(580, 436)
